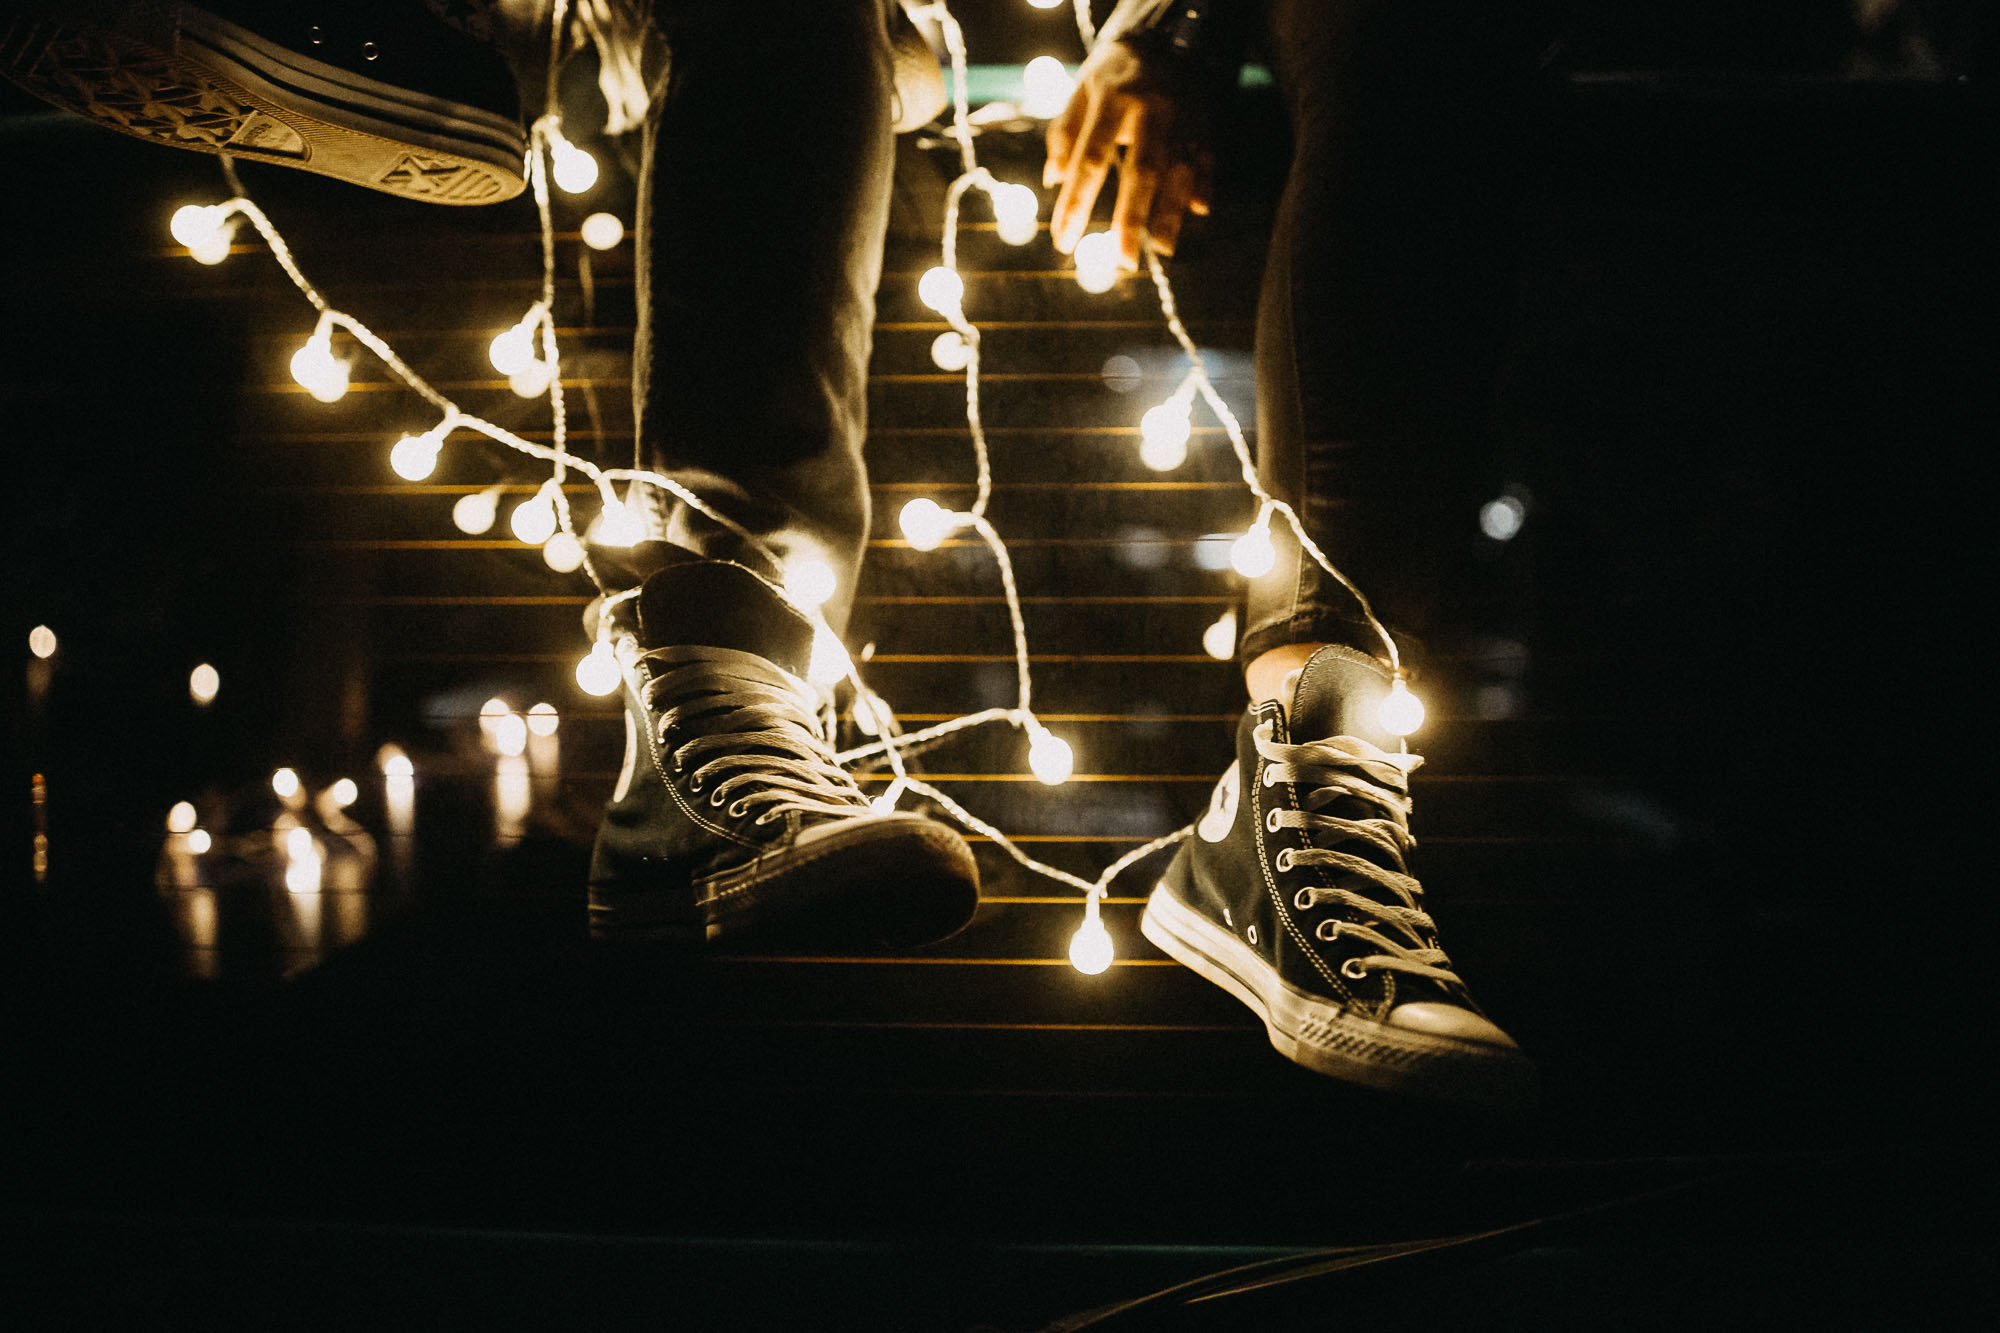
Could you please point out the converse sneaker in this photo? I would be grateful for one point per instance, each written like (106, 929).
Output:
(1294, 896)
(731, 822)
(374, 92)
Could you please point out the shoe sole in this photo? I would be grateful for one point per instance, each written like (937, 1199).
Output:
(213, 87)
(1326, 1039)
(890, 883)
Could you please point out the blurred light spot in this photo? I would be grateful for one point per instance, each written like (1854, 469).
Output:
(204, 683)
(1501, 519)
(182, 818)
(42, 641)
(602, 231)
(1121, 374)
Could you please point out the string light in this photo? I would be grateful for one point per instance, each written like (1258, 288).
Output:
(602, 231)
(198, 841)
(42, 642)
(205, 229)
(1049, 755)
(926, 523)
(1015, 208)
(1402, 712)
(534, 519)
(620, 524)
(543, 720)
(1252, 555)
(1164, 432)
(314, 366)
(415, 457)
(1219, 639)
(563, 553)
(1096, 258)
(514, 351)
(1090, 950)
(182, 818)
(343, 794)
(476, 513)
(810, 582)
(598, 674)
(395, 765)
(830, 663)
(574, 169)
(950, 351)
(943, 291)
(1045, 87)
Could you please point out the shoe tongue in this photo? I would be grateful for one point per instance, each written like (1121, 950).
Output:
(1338, 692)
(715, 604)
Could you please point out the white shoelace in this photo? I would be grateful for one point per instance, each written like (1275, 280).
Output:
(746, 734)
(1349, 768)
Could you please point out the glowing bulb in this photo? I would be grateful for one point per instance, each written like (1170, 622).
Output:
(514, 351)
(602, 231)
(42, 642)
(563, 553)
(1402, 712)
(598, 675)
(543, 720)
(1501, 519)
(1045, 87)
(829, 664)
(198, 841)
(343, 794)
(1252, 555)
(534, 519)
(532, 382)
(1096, 259)
(1044, 4)
(285, 782)
(476, 513)
(510, 734)
(622, 524)
(323, 374)
(1163, 435)
(1090, 949)
(395, 765)
(1014, 210)
(810, 582)
(574, 169)
(926, 524)
(204, 683)
(182, 818)
(950, 351)
(204, 230)
(943, 291)
(414, 457)
(1219, 639)
(1050, 758)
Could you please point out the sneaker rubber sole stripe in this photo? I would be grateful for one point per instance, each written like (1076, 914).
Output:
(223, 89)
(1321, 1036)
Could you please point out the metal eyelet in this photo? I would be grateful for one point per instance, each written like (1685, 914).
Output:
(1327, 931)
(1353, 970)
(737, 809)
(1284, 860)
(1270, 778)
(694, 785)
(1271, 820)
(1303, 901)
(715, 797)
(370, 51)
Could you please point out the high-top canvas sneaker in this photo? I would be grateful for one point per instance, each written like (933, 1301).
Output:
(374, 92)
(731, 822)
(1294, 896)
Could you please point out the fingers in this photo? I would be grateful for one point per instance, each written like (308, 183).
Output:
(1139, 181)
(1171, 205)
(1082, 173)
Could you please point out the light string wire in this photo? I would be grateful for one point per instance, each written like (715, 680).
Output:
(545, 142)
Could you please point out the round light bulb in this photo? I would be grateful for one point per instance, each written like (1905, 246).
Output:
(950, 351)
(513, 351)
(182, 818)
(204, 683)
(1014, 210)
(1402, 712)
(563, 553)
(925, 524)
(414, 457)
(285, 782)
(510, 734)
(598, 675)
(830, 664)
(532, 382)
(204, 230)
(603, 231)
(476, 513)
(1169, 423)
(1090, 949)
(543, 720)
(574, 169)
(1096, 258)
(343, 794)
(1045, 87)
(810, 582)
(1050, 758)
(1252, 555)
(323, 375)
(942, 290)
(395, 765)
(198, 841)
(619, 525)
(534, 519)
(1219, 639)
(42, 642)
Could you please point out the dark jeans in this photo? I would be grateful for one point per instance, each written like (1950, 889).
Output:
(762, 216)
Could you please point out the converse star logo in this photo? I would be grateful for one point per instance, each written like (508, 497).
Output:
(1221, 816)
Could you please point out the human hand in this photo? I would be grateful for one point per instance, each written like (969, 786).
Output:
(1144, 103)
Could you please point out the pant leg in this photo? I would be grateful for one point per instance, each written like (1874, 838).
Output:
(763, 204)
(1381, 316)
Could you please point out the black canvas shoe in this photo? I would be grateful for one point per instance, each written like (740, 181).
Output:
(373, 92)
(732, 823)
(1295, 897)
